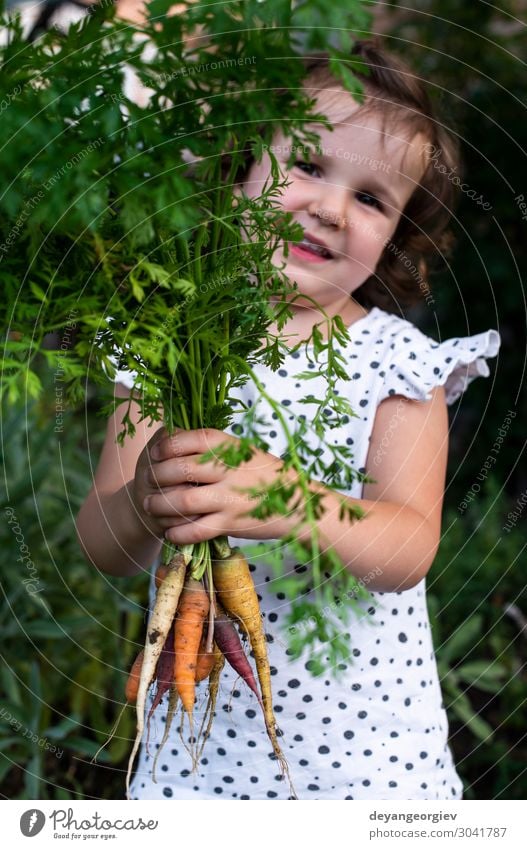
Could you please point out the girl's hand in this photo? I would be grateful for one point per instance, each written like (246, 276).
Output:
(145, 486)
(193, 501)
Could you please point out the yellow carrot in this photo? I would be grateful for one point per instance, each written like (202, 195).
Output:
(235, 589)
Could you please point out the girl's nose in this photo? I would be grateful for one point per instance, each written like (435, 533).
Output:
(331, 209)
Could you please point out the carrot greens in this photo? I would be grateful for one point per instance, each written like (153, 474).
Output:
(120, 231)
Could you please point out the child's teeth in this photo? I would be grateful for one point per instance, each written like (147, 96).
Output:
(312, 247)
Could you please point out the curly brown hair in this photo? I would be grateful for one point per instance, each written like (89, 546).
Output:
(422, 236)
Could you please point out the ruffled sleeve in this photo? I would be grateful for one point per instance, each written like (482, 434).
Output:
(122, 375)
(125, 377)
(419, 364)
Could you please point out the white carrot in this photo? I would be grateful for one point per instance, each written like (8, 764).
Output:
(158, 627)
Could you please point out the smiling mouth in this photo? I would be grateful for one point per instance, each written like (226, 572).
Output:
(305, 246)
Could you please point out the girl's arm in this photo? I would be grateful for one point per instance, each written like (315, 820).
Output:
(400, 533)
(391, 548)
(113, 531)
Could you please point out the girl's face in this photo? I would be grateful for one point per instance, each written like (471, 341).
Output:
(348, 198)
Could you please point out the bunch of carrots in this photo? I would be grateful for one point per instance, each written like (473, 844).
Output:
(191, 633)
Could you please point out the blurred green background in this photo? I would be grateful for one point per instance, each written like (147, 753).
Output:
(69, 633)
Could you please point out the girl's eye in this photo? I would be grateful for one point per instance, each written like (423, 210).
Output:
(300, 163)
(369, 200)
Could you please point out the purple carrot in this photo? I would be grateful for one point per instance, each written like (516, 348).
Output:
(229, 643)
(164, 676)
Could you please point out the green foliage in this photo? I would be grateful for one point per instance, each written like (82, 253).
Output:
(68, 632)
(476, 592)
(473, 56)
(143, 261)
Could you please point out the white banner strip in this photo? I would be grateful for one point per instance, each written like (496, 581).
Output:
(357, 824)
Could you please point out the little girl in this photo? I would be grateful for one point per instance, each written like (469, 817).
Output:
(374, 204)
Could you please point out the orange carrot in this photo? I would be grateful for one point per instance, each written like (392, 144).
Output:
(160, 575)
(132, 685)
(192, 609)
(214, 686)
(205, 660)
(235, 589)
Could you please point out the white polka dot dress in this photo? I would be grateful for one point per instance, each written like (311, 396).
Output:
(380, 731)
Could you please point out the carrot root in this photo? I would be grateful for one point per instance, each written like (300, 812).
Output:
(172, 705)
(160, 621)
(205, 660)
(164, 674)
(235, 589)
(132, 685)
(208, 716)
(192, 611)
(228, 641)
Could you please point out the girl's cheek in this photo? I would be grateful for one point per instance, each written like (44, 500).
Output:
(293, 201)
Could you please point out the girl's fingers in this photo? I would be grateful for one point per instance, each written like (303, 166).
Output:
(171, 522)
(183, 501)
(185, 470)
(186, 442)
(204, 528)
